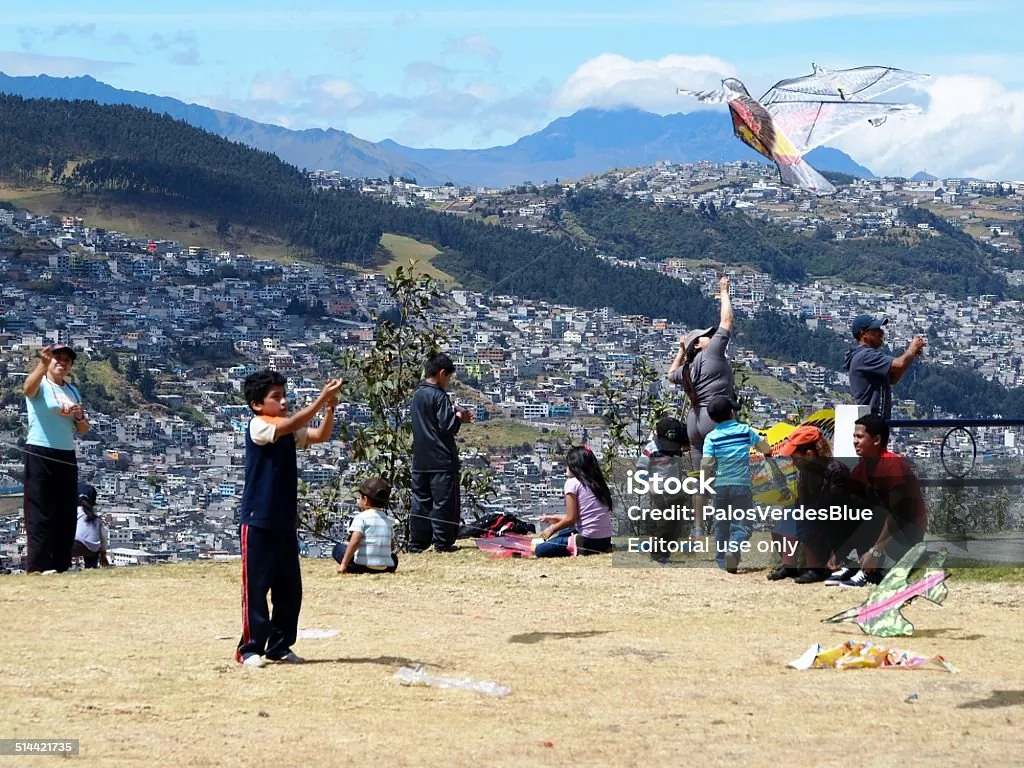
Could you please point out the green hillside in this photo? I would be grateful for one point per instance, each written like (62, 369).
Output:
(943, 259)
(129, 154)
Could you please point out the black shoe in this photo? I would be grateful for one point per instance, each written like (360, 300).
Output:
(783, 572)
(732, 563)
(445, 548)
(416, 550)
(812, 576)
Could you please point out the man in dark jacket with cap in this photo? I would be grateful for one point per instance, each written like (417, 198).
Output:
(872, 371)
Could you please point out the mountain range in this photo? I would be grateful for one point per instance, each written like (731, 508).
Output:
(588, 141)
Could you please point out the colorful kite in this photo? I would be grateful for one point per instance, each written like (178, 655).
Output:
(802, 113)
(860, 655)
(509, 545)
(767, 487)
(880, 614)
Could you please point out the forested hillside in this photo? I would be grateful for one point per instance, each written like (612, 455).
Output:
(946, 260)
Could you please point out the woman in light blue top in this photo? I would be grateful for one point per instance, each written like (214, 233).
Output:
(55, 414)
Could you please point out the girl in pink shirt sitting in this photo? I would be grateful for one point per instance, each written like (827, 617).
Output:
(586, 526)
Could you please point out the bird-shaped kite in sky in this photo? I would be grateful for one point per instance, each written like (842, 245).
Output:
(802, 113)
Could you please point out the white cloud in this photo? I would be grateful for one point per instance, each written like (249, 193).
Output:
(473, 45)
(18, 64)
(610, 80)
(972, 126)
(279, 87)
(432, 107)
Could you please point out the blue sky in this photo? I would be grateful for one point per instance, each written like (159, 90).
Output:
(468, 74)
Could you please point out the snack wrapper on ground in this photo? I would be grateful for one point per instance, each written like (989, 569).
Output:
(855, 654)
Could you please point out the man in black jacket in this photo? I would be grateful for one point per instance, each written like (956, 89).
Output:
(436, 510)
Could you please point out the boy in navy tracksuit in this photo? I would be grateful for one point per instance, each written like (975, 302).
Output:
(269, 519)
(436, 511)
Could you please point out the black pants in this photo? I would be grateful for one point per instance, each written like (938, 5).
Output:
(338, 553)
(51, 508)
(90, 558)
(848, 536)
(436, 509)
(270, 563)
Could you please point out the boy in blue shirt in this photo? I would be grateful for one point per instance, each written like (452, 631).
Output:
(269, 520)
(727, 458)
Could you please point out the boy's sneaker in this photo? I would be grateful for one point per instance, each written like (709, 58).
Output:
(290, 658)
(812, 576)
(732, 563)
(783, 572)
(838, 577)
(443, 548)
(253, 660)
(860, 579)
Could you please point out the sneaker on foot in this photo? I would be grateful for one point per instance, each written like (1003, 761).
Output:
(573, 546)
(860, 579)
(783, 572)
(732, 563)
(253, 660)
(812, 576)
(838, 577)
(290, 658)
(445, 548)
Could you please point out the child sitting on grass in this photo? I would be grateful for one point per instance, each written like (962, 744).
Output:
(586, 526)
(371, 544)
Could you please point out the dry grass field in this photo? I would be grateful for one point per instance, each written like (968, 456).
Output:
(609, 666)
(404, 249)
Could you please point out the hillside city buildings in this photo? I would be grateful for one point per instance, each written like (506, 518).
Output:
(169, 472)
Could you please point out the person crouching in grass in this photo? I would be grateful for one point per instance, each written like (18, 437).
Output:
(371, 543)
(822, 481)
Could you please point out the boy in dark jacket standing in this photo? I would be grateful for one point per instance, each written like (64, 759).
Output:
(436, 508)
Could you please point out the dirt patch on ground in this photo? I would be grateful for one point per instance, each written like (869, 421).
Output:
(608, 666)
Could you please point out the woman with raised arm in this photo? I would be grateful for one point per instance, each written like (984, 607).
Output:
(55, 415)
(703, 369)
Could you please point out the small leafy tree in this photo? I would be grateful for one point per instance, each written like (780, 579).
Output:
(631, 413)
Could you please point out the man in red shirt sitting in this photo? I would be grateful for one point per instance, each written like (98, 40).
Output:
(894, 491)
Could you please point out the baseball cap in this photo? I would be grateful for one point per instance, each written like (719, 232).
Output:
(87, 493)
(376, 490)
(801, 437)
(64, 348)
(866, 323)
(692, 336)
(671, 433)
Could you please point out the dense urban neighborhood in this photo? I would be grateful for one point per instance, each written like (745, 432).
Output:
(172, 330)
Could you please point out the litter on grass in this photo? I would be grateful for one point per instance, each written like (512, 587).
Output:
(419, 676)
(859, 655)
(317, 634)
